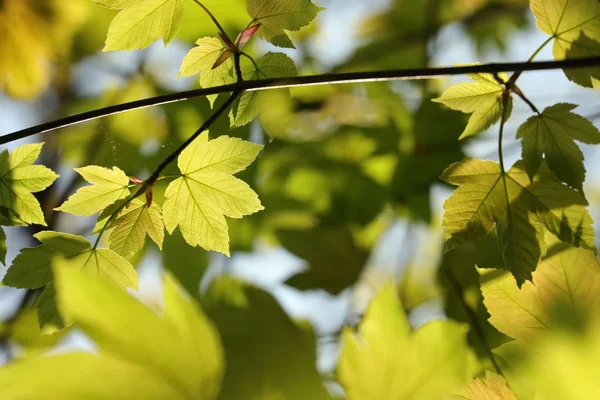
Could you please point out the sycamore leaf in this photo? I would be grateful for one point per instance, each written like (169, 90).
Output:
(207, 191)
(492, 387)
(572, 24)
(32, 268)
(201, 59)
(566, 283)
(140, 23)
(116, 4)
(172, 355)
(107, 187)
(278, 16)
(552, 134)
(19, 179)
(482, 99)
(133, 224)
(424, 364)
(583, 47)
(272, 65)
(520, 209)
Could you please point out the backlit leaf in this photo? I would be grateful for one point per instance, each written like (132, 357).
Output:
(129, 231)
(198, 201)
(491, 387)
(107, 187)
(520, 209)
(552, 134)
(19, 179)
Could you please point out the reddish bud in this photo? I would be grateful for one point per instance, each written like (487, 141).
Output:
(222, 58)
(136, 180)
(227, 41)
(149, 196)
(245, 36)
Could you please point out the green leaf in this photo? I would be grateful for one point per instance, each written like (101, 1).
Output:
(565, 287)
(107, 187)
(207, 192)
(424, 364)
(278, 16)
(116, 4)
(201, 59)
(575, 27)
(552, 134)
(520, 209)
(19, 179)
(128, 234)
(482, 99)
(174, 355)
(271, 65)
(491, 387)
(268, 355)
(32, 268)
(143, 22)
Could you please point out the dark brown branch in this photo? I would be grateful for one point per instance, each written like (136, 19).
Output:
(323, 79)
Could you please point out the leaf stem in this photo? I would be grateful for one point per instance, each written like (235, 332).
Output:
(215, 20)
(148, 183)
(307, 80)
(505, 98)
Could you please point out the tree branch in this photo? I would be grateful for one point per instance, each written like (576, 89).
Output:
(323, 79)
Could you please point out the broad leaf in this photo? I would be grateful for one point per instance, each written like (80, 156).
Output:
(176, 354)
(129, 231)
(143, 22)
(565, 285)
(583, 47)
(278, 16)
(575, 27)
(201, 59)
(491, 387)
(198, 201)
(271, 65)
(19, 179)
(116, 4)
(32, 268)
(425, 364)
(522, 210)
(482, 99)
(552, 134)
(107, 187)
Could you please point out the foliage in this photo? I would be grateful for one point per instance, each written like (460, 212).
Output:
(325, 172)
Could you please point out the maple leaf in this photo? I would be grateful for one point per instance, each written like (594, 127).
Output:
(128, 233)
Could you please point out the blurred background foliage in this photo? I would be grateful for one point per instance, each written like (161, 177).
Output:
(349, 184)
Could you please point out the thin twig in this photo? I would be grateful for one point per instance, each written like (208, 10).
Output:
(323, 79)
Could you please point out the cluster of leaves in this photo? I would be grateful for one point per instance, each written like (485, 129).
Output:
(339, 169)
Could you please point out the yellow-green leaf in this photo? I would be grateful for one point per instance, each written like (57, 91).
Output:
(426, 364)
(482, 99)
(521, 210)
(552, 134)
(566, 283)
(207, 191)
(143, 22)
(19, 179)
(575, 27)
(107, 187)
(128, 234)
(491, 387)
(172, 355)
(202, 58)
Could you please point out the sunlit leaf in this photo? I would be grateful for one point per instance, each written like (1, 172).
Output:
(520, 209)
(198, 201)
(425, 364)
(129, 231)
(143, 22)
(482, 99)
(19, 179)
(491, 387)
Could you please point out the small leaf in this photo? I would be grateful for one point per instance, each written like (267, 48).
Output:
(19, 179)
(129, 232)
(492, 387)
(32, 268)
(520, 209)
(424, 364)
(271, 65)
(202, 60)
(107, 187)
(552, 134)
(278, 16)
(207, 192)
(482, 99)
(142, 22)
